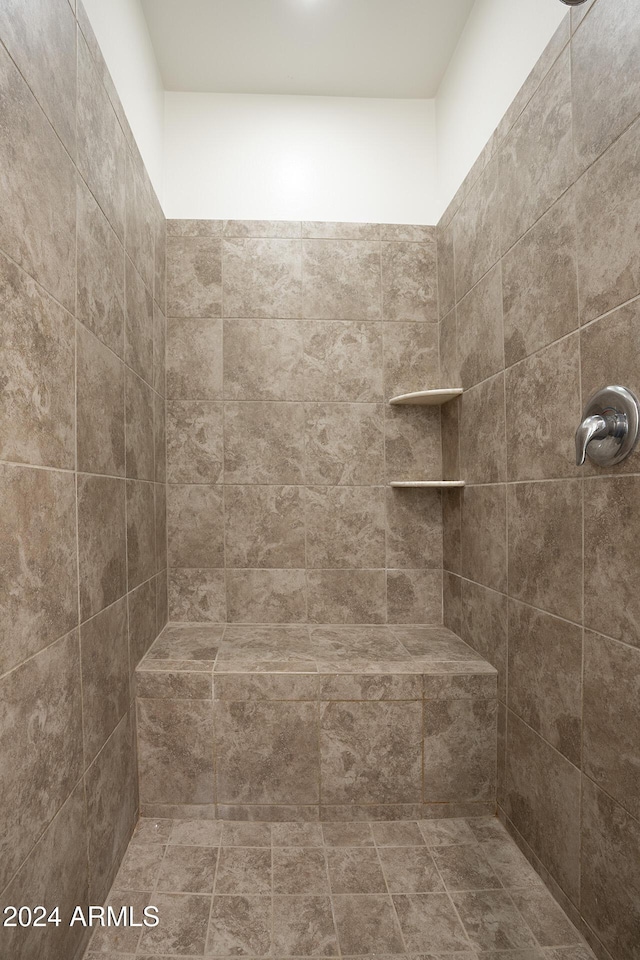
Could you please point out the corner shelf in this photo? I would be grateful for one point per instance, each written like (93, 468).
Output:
(427, 398)
(428, 484)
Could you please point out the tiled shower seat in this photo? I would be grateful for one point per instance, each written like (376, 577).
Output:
(303, 722)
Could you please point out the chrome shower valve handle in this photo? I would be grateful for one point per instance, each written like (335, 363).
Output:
(609, 429)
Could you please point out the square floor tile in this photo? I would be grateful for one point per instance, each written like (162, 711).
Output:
(300, 870)
(152, 831)
(297, 835)
(464, 867)
(197, 833)
(140, 867)
(182, 928)
(429, 924)
(438, 833)
(244, 870)
(347, 834)
(355, 870)
(303, 927)
(188, 869)
(246, 834)
(367, 925)
(547, 921)
(410, 870)
(239, 927)
(492, 922)
(397, 834)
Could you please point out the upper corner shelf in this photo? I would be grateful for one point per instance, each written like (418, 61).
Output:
(427, 398)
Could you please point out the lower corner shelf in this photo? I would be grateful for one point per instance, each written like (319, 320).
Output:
(428, 484)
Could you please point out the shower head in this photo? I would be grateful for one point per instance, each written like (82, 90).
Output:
(573, 3)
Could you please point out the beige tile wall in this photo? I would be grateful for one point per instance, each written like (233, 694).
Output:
(82, 466)
(284, 342)
(539, 281)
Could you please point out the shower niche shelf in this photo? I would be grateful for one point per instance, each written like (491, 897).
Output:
(427, 484)
(426, 398)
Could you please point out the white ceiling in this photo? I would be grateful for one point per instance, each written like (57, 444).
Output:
(346, 48)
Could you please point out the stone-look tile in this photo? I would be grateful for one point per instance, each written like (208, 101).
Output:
(160, 523)
(162, 600)
(194, 277)
(510, 865)
(397, 834)
(341, 279)
(408, 232)
(140, 428)
(476, 233)
(343, 360)
(197, 595)
(452, 602)
(297, 835)
(168, 773)
(264, 442)
(345, 527)
(346, 596)
(328, 230)
(140, 867)
(46, 687)
(38, 566)
(410, 870)
(344, 443)
(142, 621)
(38, 380)
(183, 925)
(159, 351)
(412, 443)
(138, 324)
(262, 278)
(111, 792)
(545, 545)
(198, 833)
(484, 626)
(246, 834)
(240, 926)
(100, 284)
(465, 867)
(409, 281)
(45, 195)
(159, 439)
(605, 101)
(543, 802)
(610, 353)
(459, 750)
(451, 529)
(430, 924)
(414, 596)
(483, 440)
(545, 676)
(540, 445)
(264, 526)
(370, 752)
(484, 536)
(367, 924)
(577, 16)
(247, 771)
(347, 834)
(540, 283)
(195, 522)
(549, 924)
(194, 359)
(491, 921)
(243, 870)
(414, 529)
(536, 161)
(607, 203)
(266, 596)
(264, 360)
(443, 833)
(101, 543)
(300, 870)
(139, 219)
(610, 557)
(141, 538)
(449, 363)
(410, 357)
(274, 229)
(186, 869)
(355, 870)
(101, 408)
(612, 719)
(184, 641)
(194, 441)
(110, 942)
(479, 330)
(41, 41)
(304, 926)
(101, 144)
(446, 269)
(104, 656)
(195, 228)
(610, 882)
(54, 872)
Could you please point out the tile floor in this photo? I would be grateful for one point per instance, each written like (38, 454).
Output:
(401, 889)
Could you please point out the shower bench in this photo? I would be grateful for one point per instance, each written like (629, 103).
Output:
(305, 722)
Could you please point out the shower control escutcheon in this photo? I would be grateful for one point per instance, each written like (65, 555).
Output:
(609, 429)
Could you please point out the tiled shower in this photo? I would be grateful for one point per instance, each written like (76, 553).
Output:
(241, 675)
